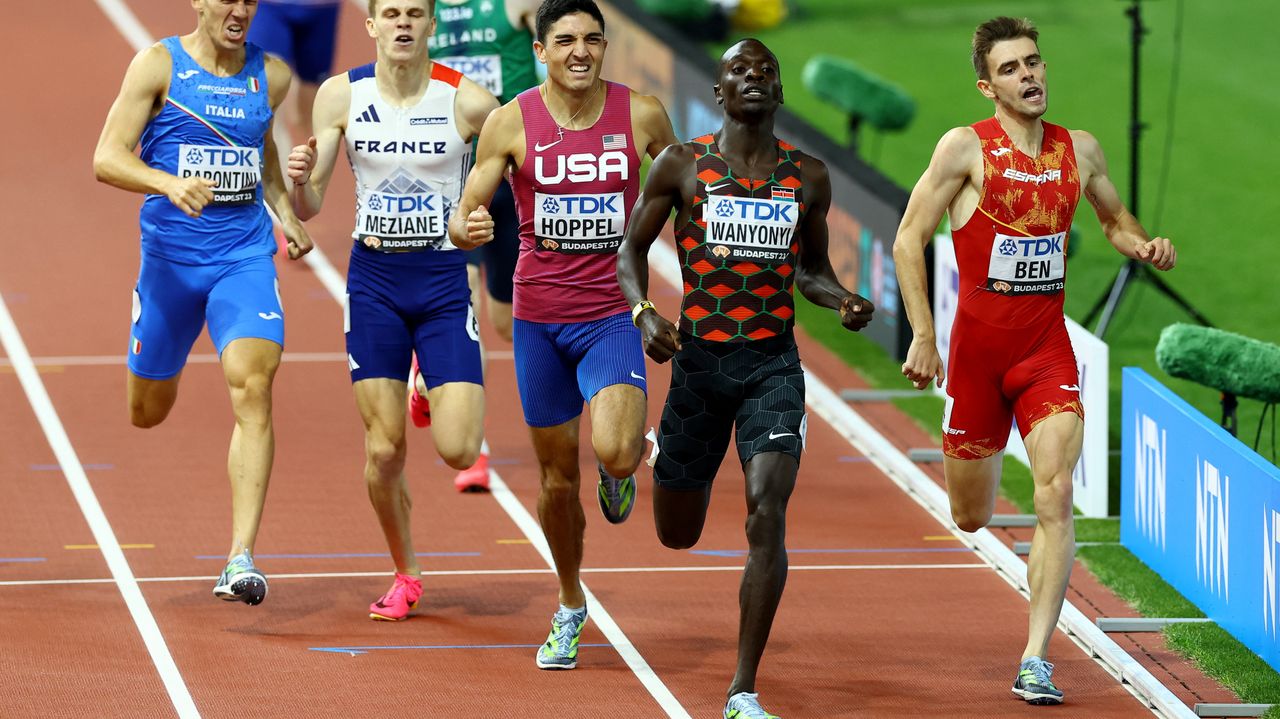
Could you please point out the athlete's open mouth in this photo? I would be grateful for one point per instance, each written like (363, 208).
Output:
(754, 92)
(235, 31)
(404, 39)
(1032, 92)
(579, 68)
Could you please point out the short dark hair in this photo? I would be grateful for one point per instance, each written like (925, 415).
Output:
(993, 31)
(551, 10)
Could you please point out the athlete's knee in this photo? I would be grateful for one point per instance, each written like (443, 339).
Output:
(767, 522)
(678, 537)
(458, 455)
(560, 483)
(1053, 499)
(500, 318)
(620, 455)
(970, 519)
(145, 416)
(386, 455)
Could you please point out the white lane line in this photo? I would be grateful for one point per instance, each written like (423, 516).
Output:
(121, 574)
(120, 359)
(920, 487)
(333, 282)
(510, 572)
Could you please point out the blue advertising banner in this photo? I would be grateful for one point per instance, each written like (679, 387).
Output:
(1202, 510)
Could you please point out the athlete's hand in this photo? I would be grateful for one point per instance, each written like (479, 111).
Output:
(661, 340)
(1159, 252)
(923, 364)
(480, 226)
(301, 159)
(191, 194)
(855, 312)
(299, 242)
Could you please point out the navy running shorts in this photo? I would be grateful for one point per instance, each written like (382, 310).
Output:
(398, 304)
(301, 34)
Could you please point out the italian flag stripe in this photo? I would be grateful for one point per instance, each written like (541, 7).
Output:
(201, 120)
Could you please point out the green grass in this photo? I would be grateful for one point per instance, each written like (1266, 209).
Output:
(1218, 206)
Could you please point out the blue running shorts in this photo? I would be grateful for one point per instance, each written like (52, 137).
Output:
(498, 257)
(553, 358)
(402, 303)
(301, 34)
(173, 301)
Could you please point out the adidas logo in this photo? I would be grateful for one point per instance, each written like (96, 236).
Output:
(370, 114)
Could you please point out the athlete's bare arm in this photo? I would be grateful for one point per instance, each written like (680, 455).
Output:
(298, 242)
(814, 277)
(142, 94)
(1122, 229)
(311, 165)
(472, 106)
(523, 14)
(501, 145)
(650, 126)
(951, 166)
(671, 184)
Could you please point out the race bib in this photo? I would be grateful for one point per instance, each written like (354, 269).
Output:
(484, 70)
(748, 229)
(578, 224)
(236, 170)
(402, 223)
(1028, 265)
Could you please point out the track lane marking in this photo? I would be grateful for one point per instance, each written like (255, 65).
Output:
(121, 573)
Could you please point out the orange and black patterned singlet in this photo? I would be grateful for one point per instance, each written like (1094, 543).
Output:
(738, 250)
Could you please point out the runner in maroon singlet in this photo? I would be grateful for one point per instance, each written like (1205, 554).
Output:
(1011, 184)
(572, 146)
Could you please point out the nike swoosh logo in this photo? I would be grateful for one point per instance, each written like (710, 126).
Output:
(773, 435)
(1070, 387)
(718, 186)
(187, 74)
(272, 316)
(636, 376)
(539, 147)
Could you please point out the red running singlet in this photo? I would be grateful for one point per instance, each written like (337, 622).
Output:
(1010, 353)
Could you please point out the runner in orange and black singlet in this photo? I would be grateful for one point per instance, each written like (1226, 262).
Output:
(750, 228)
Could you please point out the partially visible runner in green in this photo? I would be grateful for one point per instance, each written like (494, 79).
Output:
(491, 42)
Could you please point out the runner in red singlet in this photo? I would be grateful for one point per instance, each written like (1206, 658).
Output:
(1011, 184)
(572, 146)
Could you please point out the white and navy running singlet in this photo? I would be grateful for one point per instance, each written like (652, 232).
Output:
(212, 127)
(407, 283)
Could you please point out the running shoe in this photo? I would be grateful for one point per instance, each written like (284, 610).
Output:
(560, 651)
(241, 581)
(746, 706)
(474, 478)
(617, 496)
(399, 599)
(419, 407)
(1035, 682)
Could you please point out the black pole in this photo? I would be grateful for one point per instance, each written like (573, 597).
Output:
(1133, 269)
(1136, 127)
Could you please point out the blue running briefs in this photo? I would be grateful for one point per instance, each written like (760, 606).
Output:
(173, 301)
(551, 359)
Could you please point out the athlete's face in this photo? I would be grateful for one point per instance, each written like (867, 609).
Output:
(574, 51)
(749, 82)
(401, 28)
(226, 22)
(1017, 77)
